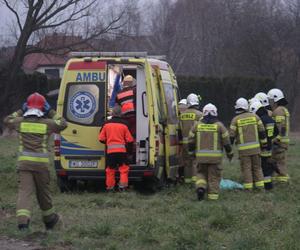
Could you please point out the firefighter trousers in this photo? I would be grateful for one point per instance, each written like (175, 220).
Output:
(189, 167)
(209, 177)
(252, 171)
(280, 157)
(34, 181)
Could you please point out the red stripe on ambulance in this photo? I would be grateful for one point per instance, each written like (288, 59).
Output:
(87, 66)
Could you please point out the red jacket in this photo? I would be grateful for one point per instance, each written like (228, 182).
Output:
(115, 134)
(126, 99)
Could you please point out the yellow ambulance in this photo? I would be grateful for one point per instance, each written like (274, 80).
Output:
(85, 93)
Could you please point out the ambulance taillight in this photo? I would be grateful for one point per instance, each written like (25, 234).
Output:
(57, 140)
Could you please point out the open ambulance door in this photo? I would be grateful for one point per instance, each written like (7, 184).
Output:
(171, 123)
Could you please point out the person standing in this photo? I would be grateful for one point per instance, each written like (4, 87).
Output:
(187, 119)
(281, 116)
(267, 163)
(116, 135)
(248, 131)
(207, 138)
(35, 122)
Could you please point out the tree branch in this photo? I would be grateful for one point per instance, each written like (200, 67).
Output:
(15, 13)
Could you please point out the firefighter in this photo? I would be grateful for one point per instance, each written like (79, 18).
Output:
(267, 163)
(281, 116)
(126, 98)
(207, 139)
(116, 135)
(248, 131)
(35, 122)
(264, 99)
(182, 105)
(187, 119)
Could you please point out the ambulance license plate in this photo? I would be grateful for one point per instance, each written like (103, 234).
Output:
(83, 164)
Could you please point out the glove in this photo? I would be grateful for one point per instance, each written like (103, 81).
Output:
(24, 107)
(47, 108)
(230, 156)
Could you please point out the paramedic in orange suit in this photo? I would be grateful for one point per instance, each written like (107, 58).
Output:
(116, 135)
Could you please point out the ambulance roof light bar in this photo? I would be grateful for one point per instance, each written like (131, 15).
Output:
(108, 54)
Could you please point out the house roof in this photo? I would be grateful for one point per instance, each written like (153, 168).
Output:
(36, 60)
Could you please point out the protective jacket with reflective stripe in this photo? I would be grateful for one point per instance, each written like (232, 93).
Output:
(188, 119)
(249, 132)
(115, 134)
(126, 99)
(271, 133)
(34, 134)
(282, 118)
(209, 140)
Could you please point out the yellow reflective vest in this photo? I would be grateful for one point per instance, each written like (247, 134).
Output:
(282, 118)
(34, 134)
(209, 141)
(249, 133)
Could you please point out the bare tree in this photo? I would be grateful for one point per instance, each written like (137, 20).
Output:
(36, 17)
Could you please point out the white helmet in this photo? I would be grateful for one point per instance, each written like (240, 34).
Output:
(34, 112)
(241, 103)
(263, 98)
(183, 101)
(252, 100)
(275, 94)
(210, 109)
(192, 100)
(255, 106)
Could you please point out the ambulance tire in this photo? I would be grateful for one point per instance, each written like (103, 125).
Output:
(66, 185)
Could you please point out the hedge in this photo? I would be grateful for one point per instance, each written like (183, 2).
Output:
(223, 92)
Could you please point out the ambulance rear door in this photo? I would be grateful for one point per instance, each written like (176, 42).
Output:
(84, 107)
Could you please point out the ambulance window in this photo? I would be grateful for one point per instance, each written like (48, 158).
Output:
(159, 100)
(171, 103)
(83, 103)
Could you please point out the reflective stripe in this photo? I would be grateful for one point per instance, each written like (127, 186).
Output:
(260, 184)
(266, 153)
(34, 128)
(34, 159)
(249, 145)
(209, 153)
(212, 196)
(23, 212)
(188, 180)
(126, 101)
(248, 185)
(207, 127)
(267, 179)
(246, 121)
(287, 114)
(264, 141)
(34, 154)
(241, 135)
(215, 141)
(185, 140)
(125, 94)
(224, 135)
(283, 178)
(279, 118)
(270, 129)
(48, 212)
(194, 178)
(115, 146)
(14, 114)
(20, 142)
(44, 144)
(188, 117)
(200, 182)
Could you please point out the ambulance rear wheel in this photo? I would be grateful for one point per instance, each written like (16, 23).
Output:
(66, 185)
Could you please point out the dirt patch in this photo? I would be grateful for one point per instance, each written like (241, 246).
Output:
(12, 244)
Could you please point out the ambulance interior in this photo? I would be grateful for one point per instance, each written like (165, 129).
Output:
(142, 122)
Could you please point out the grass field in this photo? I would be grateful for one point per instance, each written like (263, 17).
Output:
(170, 219)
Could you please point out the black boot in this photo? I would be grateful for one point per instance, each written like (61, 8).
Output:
(200, 193)
(269, 186)
(51, 224)
(24, 227)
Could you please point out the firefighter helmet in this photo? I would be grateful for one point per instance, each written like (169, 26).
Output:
(255, 106)
(253, 100)
(263, 98)
(241, 103)
(192, 100)
(183, 101)
(36, 101)
(275, 94)
(210, 109)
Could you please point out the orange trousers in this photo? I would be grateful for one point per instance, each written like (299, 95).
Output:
(110, 176)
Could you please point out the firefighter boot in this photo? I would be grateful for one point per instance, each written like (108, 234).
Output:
(24, 227)
(53, 222)
(200, 193)
(268, 186)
